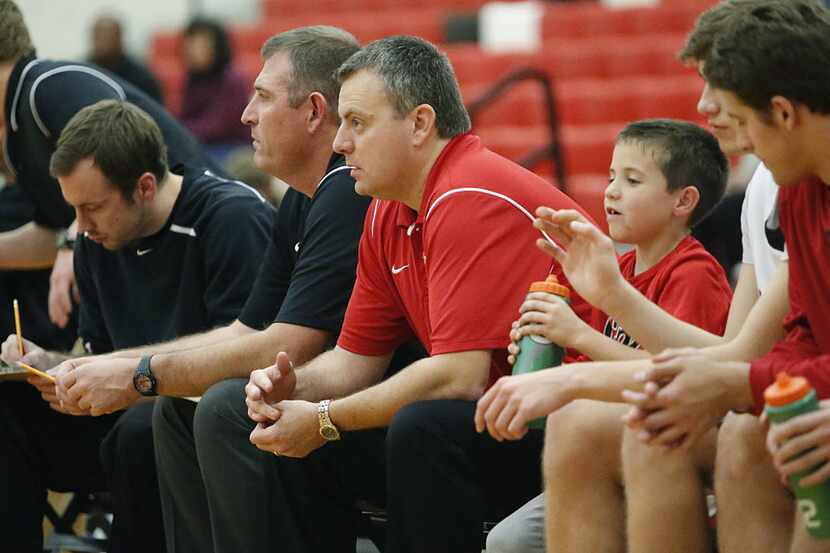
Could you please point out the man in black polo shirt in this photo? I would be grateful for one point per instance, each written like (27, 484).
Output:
(296, 305)
(38, 97)
(162, 255)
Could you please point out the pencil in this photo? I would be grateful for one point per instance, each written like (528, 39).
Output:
(37, 372)
(17, 327)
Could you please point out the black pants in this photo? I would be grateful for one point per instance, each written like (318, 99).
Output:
(438, 479)
(41, 449)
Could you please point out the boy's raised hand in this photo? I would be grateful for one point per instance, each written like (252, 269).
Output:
(586, 255)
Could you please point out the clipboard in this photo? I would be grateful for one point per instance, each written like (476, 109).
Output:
(7, 372)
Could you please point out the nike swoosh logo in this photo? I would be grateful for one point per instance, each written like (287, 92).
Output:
(396, 270)
(143, 252)
(297, 247)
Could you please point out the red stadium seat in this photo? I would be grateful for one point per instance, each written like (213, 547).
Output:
(609, 67)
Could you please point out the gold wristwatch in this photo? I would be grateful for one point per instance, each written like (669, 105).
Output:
(328, 431)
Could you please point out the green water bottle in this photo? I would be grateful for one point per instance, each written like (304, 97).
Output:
(537, 352)
(789, 397)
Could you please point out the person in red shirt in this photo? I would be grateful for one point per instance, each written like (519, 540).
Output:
(446, 257)
(665, 176)
(770, 67)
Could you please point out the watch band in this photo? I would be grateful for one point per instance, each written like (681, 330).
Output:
(144, 381)
(328, 431)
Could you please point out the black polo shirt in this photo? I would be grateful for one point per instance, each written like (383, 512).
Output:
(41, 98)
(309, 270)
(193, 275)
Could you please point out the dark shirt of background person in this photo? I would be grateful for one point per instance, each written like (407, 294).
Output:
(108, 52)
(215, 93)
(30, 288)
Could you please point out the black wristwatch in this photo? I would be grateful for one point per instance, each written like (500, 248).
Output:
(63, 241)
(144, 380)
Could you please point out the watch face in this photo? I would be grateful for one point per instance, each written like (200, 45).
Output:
(143, 383)
(329, 433)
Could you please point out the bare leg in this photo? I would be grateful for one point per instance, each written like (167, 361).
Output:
(584, 499)
(755, 512)
(665, 496)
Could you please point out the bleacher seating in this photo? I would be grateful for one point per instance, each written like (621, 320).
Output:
(609, 66)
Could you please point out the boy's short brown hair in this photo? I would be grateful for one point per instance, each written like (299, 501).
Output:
(687, 155)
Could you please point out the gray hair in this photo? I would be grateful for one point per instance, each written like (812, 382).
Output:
(414, 73)
(315, 54)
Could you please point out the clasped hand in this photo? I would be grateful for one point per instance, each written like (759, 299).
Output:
(682, 398)
(284, 426)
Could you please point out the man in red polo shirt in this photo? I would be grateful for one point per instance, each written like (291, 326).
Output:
(446, 257)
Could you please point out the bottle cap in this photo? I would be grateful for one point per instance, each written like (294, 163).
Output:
(786, 389)
(551, 286)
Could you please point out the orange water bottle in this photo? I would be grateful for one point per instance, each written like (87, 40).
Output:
(537, 352)
(789, 397)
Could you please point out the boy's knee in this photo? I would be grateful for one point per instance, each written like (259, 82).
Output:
(641, 460)
(741, 446)
(576, 437)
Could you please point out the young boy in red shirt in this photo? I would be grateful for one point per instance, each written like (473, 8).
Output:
(665, 177)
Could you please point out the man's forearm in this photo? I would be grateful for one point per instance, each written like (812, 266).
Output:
(338, 373)
(454, 376)
(209, 338)
(28, 247)
(651, 326)
(192, 372)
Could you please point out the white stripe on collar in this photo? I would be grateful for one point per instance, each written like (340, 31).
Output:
(333, 171)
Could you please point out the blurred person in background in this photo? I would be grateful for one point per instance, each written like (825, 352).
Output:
(240, 165)
(215, 93)
(107, 51)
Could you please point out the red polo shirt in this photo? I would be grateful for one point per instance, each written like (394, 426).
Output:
(687, 283)
(454, 274)
(804, 213)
